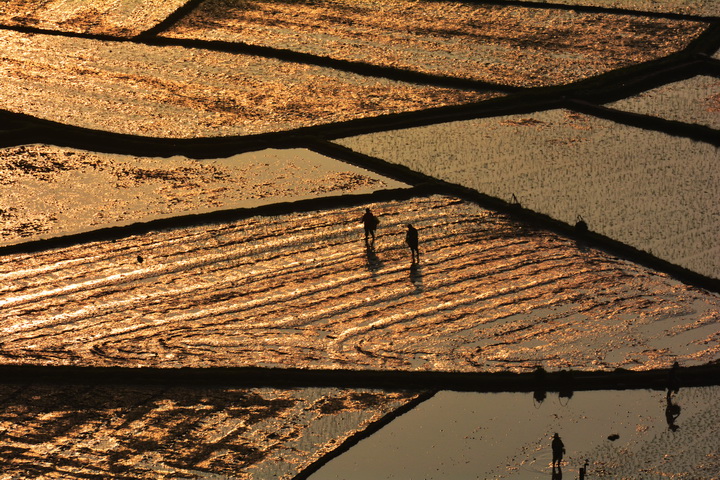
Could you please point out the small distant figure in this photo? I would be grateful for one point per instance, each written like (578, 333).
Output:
(583, 470)
(411, 238)
(370, 222)
(558, 450)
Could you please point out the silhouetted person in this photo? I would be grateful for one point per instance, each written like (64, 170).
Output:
(558, 450)
(672, 412)
(370, 223)
(583, 471)
(581, 225)
(411, 238)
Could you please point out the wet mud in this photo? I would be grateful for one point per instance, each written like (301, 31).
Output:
(665, 8)
(488, 295)
(548, 162)
(136, 89)
(498, 44)
(124, 18)
(50, 191)
(257, 343)
(85, 431)
(693, 101)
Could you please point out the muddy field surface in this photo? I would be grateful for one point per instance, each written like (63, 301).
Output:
(682, 7)
(499, 44)
(303, 290)
(181, 92)
(82, 431)
(631, 434)
(695, 101)
(123, 18)
(654, 191)
(49, 191)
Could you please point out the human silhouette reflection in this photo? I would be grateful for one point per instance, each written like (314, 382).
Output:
(672, 411)
(673, 381)
(565, 391)
(558, 450)
(416, 276)
(556, 473)
(540, 392)
(583, 470)
(372, 262)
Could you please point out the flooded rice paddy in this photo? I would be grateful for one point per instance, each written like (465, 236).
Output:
(50, 191)
(683, 7)
(500, 44)
(122, 18)
(85, 431)
(633, 434)
(550, 162)
(696, 100)
(137, 89)
(296, 296)
(303, 290)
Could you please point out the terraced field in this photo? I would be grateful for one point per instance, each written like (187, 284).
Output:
(84, 431)
(185, 291)
(303, 290)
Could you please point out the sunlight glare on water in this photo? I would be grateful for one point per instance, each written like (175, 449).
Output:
(622, 434)
(302, 288)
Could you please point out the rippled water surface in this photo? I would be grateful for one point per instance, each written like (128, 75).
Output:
(303, 290)
(647, 189)
(188, 92)
(696, 100)
(81, 431)
(51, 191)
(123, 18)
(621, 434)
(688, 7)
(494, 43)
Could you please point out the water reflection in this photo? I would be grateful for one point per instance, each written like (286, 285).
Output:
(558, 450)
(556, 473)
(672, 409)
(540, 393)
(496, 435)
(143, 432)
(672, 412)
(372, 261)
(416, 276)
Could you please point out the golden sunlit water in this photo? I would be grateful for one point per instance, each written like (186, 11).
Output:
(489, 294)
(52, 191)
(501, 44)
(167, 271)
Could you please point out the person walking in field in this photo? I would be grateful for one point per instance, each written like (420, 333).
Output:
(370, 223)
(558, 450)
(411, 238)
